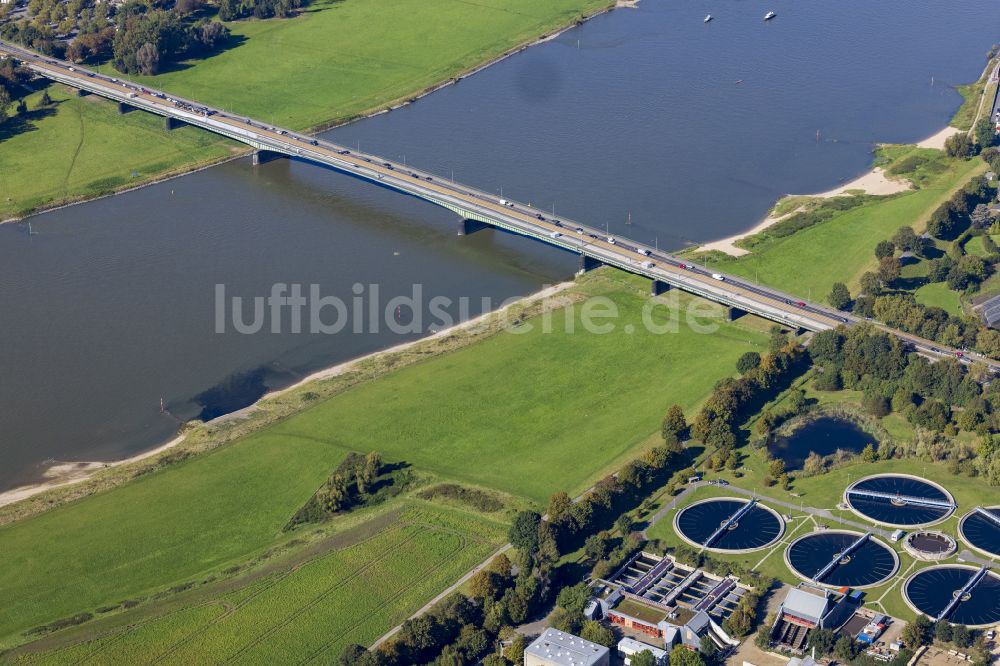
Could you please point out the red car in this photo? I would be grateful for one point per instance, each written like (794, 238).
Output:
(801, 304)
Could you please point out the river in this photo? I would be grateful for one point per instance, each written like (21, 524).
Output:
(634, 119)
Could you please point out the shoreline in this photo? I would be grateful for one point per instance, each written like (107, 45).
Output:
(334, 124)
(873, 182)
(64, 474)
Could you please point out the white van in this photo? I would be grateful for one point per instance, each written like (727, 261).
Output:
(719, 277)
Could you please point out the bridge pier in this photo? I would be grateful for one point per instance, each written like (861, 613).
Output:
(588, 264)
(124, 108)
(258, 157)
(80, 92)
(658, 287)
(171, 123)
(466, 227)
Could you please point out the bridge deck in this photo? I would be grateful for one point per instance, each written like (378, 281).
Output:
(474, 204)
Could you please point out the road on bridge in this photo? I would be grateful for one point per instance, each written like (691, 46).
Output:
(662, 268)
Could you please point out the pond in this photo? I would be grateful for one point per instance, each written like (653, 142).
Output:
(824, 436)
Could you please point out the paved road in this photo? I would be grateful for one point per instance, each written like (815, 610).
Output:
(475, 204)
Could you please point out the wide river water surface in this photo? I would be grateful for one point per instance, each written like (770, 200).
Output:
(636, 115)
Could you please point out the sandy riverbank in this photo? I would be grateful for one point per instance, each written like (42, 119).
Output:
(875, 182)
(69, 473)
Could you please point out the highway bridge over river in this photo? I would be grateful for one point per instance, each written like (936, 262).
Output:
(475, 208)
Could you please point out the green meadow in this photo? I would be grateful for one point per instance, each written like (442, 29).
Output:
(526, 413)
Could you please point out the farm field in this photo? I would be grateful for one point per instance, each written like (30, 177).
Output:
(500, 413)
(310, 612)
(338, 60)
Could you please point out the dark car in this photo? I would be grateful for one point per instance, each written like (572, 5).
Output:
(539, 216)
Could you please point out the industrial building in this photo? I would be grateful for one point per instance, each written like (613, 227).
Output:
(557, 648)
(809, 607)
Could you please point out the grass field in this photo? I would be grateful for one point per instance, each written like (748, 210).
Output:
(519, 406)
(82, 147)
(938, 294)
(508, 413)
(339, 59)
(161, 529)
(312, 611)
(841, 249)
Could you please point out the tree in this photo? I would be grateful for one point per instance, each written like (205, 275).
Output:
(597, 545)
(840, 295)
(4, 103)
(674, 425)
(495, 660)
(888, 270)
(147, 59)
(870, 284)
(905, 240)
(823, 640)
(961, 636)
(942, 631)
(574, 599)
(515, 651)
(868, 454)
(681, 656)
(844, 649)
(559, 506)
(959, 145)
(776, 467)
(747, 362)
(485, 584)
(523, 533)
(916, 633)
(985, 133)
(885, 248)
(595, 632)
(45, 99)
(642, 658)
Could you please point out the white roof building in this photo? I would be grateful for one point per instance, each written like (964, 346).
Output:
(629, 646)
(557, 648)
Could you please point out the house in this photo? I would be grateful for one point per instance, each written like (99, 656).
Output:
(629, 646)
(557, 648)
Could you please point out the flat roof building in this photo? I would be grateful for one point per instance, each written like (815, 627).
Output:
(630, 646)
(557, 648)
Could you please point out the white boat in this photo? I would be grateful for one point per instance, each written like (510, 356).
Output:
(768, 16)
(708, 18)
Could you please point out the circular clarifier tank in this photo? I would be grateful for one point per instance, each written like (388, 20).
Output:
(729, 524)
(899, 500)
(981, 529)
(931, 591)
(840, 558)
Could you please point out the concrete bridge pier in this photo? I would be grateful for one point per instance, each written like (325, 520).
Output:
(170, 123)
(658, 287)
(80, 92)
(258, 157)
(733, 313)
(588, 264)
(466, 227)
(124, 108)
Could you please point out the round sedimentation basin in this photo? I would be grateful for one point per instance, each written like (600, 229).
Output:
(899, 500)
(870, 563)
(757, 528)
